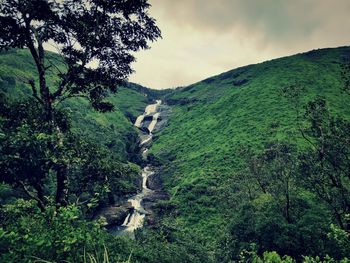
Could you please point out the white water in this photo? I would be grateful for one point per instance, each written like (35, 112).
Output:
(136, 218)
(148, 139)
(139, 120)
(152, 108)
(149, 110)
(144, 154)
(153, 122)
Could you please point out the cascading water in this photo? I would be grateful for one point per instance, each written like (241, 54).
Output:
(136, 218)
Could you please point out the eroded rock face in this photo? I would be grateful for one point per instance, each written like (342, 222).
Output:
(164, 114)
(151, 205)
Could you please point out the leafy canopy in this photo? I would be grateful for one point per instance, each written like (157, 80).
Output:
(85, 32)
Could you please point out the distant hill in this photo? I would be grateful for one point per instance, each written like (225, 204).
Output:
(213, 118)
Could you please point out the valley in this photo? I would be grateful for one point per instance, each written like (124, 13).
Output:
(218, 171)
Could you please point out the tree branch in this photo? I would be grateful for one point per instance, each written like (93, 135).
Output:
(32, 195)
(72, 96)
(32, 85)
(34, 91)
(54, 65)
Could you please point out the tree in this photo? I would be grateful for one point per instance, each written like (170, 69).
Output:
(277, 213)
(345, 72)
(273, 172)
(24, 159)
(326, 167)
(85, 32)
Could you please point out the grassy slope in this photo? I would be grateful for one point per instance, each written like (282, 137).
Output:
(213, 118)
(112, 129)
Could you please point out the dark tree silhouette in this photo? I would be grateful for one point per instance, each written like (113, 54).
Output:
(85, 32)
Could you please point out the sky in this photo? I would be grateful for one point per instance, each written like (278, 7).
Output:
(203, 38)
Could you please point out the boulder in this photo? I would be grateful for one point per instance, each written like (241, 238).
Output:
(116, 214)
(154, 181)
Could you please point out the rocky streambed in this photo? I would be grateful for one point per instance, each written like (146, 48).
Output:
(125, 217)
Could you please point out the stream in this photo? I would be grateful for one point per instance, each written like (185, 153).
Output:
(136, 217)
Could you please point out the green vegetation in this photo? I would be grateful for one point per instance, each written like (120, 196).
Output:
(221, 125)
(255, 160)
(32, 229)
(113, 129)
(104, 35)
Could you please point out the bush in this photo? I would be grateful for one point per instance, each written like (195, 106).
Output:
(27, 234)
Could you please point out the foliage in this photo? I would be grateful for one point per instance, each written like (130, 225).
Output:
(274, 257)
(111, 130)
(326, 167)
(243, 171)
(217, 155)
(26, 155)
(28, 235)
(107, 32)
(267, 257)
(27, 159)
(169, 244)
(341, 237)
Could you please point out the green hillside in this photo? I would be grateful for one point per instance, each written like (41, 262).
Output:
(113, 129)
(213, 120)
(239, 158)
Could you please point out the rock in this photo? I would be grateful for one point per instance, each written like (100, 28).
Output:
(154, 181)
(150, 199)
(165, 112)
(116, 214)
(150, 203)
(148, 118)
(144, 127)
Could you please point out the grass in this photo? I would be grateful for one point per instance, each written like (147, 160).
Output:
(214, 118)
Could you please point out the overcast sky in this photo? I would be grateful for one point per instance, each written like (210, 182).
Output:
(202, 38)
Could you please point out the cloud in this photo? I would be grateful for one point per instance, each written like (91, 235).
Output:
(206, 37)
(277, 18)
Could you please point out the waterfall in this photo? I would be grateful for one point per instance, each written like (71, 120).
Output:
(139, 120)
(154, 122)
(136, 217)
(126, 221)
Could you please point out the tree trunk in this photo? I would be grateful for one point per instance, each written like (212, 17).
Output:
(62, 186)
(287, 202)
(46, 98)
